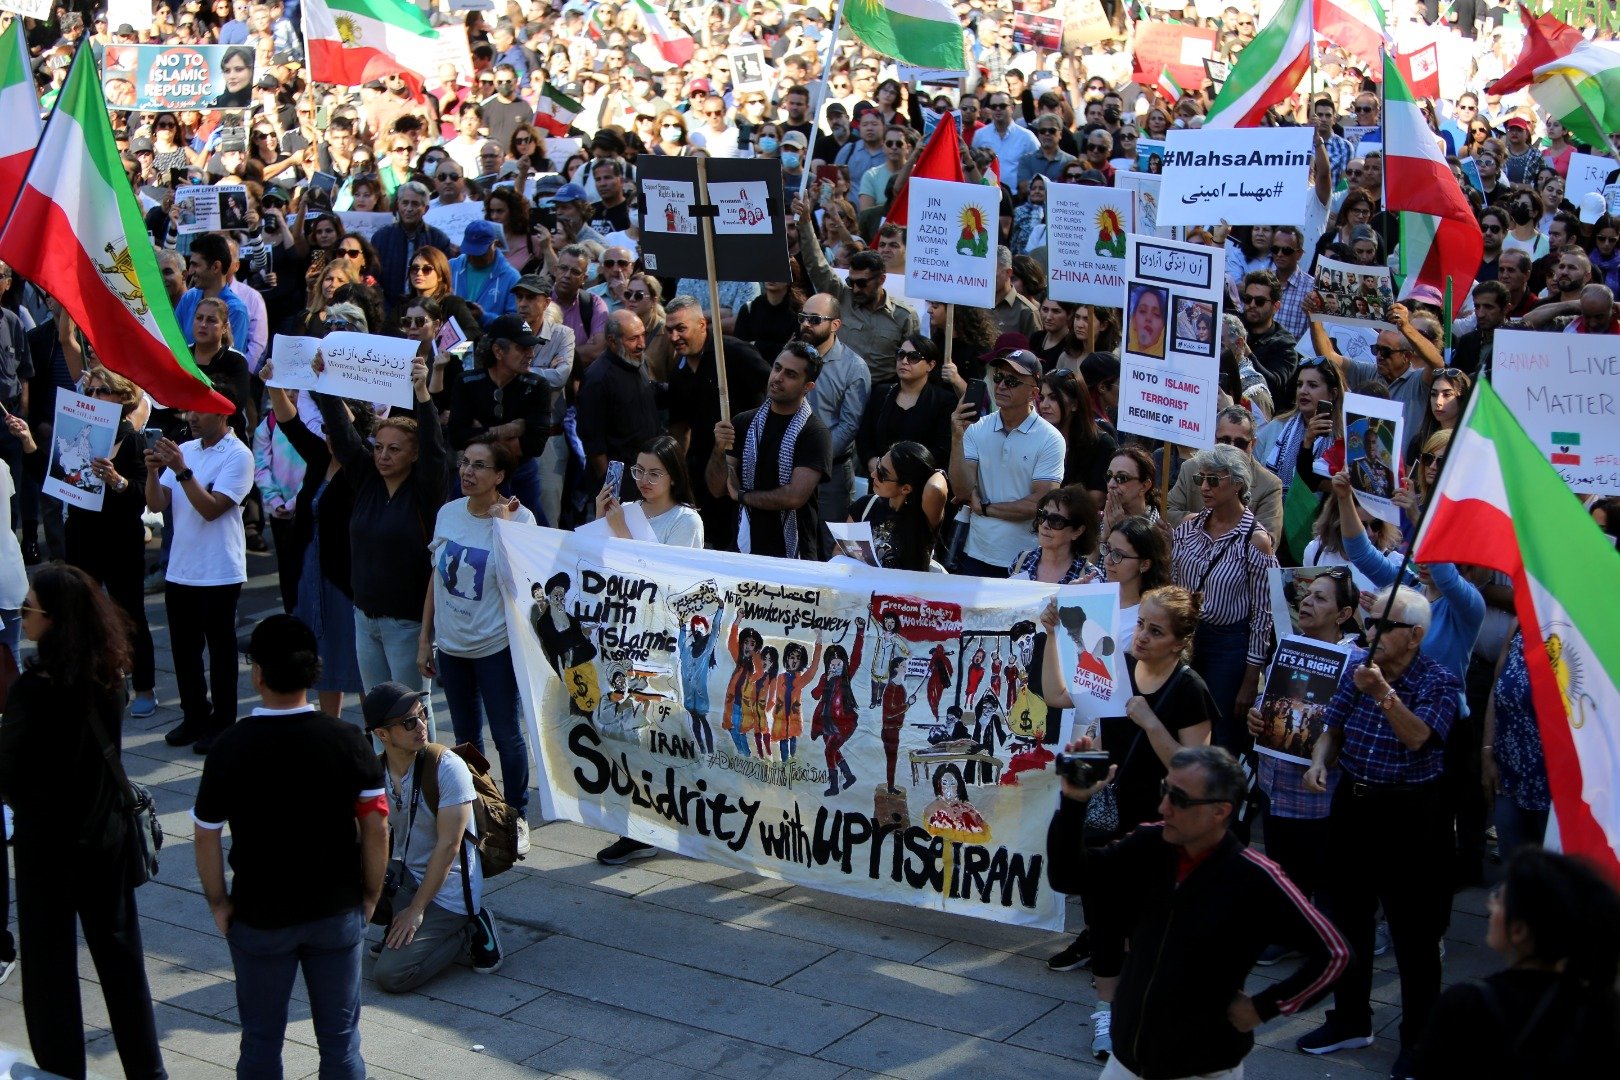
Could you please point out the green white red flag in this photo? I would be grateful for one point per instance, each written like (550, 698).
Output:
(666, 33)
(924, 33)
(19, 104)
(1355, 25)
(76, 231)
(352, 42)
(555, 111)
(1167, 86)
(1500, 504)
(1267, 70)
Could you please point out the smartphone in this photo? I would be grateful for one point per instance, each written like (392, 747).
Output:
(323, 117)
(978, 395)
(151, 435)
(1324, 408)
(829, 173)
(615, 477)
(178, 177)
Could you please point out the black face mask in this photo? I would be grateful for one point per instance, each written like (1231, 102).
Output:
(1520, 213)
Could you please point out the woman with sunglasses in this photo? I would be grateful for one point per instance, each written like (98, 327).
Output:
(357, 250)
(905, 506)
(1065, 403)
(1605, 253)
(917, 408)
(168, 147)
(421, 322)
(1478, 132)
(427, 275)
(644, 296)
(1132, 478)
(1426, 462)
(1066, 538)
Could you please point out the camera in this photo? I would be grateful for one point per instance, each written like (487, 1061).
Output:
(383, 913)
(1084, 768)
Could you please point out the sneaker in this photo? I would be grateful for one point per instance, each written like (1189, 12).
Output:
(623, 850)
(523, 837)
(6, 968)
(143, 707)
(486, 943)
(154, 582)
(1276, 954)
(1330, 1037)
(1102, 1037)
(1077, 955)
(1381, 939)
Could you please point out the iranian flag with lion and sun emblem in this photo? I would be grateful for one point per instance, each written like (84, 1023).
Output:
(352, 42)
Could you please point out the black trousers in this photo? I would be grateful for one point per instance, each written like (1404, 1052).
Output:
(1299, 846)
(204, 616)
(1463, 751)
(1391, 847)
(56, 890)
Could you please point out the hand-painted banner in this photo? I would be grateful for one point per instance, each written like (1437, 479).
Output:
(155, 78)
(1170, 359)
(1562, 389)
(868, 732)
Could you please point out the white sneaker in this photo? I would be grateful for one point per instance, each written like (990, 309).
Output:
(523, 837)
(1102, 1038)
(6, 968)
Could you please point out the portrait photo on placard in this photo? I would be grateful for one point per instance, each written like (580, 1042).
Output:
(1149, 308)
(1194, 325)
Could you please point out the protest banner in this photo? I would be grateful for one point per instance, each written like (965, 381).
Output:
(1216, 71)
(1037, 31)
(1302, 679)
(1085, 243)
(1353, 338)
(84, 428)
(1373, 444)
(818, 723)
(364, 367)
(670, 215)
(158, 78)
(1177, 47)
(452, 48)
(1144, 192)
(1149, 156)
(749, 75)
(1587, 172)
(32, 9)
(210, 208)
(1242, 176)
(854, 540)
(137, 13)
(1085, 23)
(1355, 133)
(1562, 390)
(362, 222)
(1170, 358)
(454, 218)
(950, 243)
(1354, 291)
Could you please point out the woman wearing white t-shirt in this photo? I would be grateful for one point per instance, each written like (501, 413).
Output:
(666, 496)
(463, 642)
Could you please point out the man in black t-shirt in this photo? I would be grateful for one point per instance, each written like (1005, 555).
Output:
(292, 783)
(779, 515)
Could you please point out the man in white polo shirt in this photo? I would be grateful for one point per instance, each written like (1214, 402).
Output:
(205, 480)
(1003, 463)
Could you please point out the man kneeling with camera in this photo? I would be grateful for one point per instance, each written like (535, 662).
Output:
(1199, 907)
(433, 894)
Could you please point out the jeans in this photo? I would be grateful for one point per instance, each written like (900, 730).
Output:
(525, 484)
(968, 566)
(328, 951)
(1517, 827)
(386, 651)
(202, 615)
(486, 686)
(553, 474)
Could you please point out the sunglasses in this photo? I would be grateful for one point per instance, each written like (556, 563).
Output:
(906, 356)
(895, 144)
(1121, 478)
(1608, 238)
(1366, 108)
(636, 296)
(414, 322)
(882, 475)
(1277, 249)
(1208, 479)
(1055, 521)
(422, 269)
(1384, 626)
(409, 723)
(1498, 228)
(1183, 801)
(101, 391)
(1005, 378)
(1432, 460)
(1239, 441)
(617, 262)
(855, 283)
(806, 319)
(1384, 352)
(1253, 299)
(351, 253)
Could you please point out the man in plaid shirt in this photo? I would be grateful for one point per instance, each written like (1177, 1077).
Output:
(1287, 258)
(1339, 150)
(1389, 829)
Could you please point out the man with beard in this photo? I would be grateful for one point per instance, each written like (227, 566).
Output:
(397, 241)
(838, 400)
(1274, 348)
(1493, 227)
(1472, 351)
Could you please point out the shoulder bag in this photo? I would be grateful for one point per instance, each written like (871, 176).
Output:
(1102, 812)
(136, 820)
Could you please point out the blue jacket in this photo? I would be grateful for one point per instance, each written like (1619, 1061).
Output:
(1457, 614)
(496, 296)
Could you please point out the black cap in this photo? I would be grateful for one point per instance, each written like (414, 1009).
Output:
(387, 702)
(512, 328)
(278, 638)
(268, 82)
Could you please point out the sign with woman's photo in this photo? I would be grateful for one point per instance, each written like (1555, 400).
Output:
(83, 430)
(1302, 679)
(1372, 453)
(1354, 291)
(166, 78)
(210, 208)
(1169, 362)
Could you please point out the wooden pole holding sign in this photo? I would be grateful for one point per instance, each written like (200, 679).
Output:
(1164, 479)
(706, 219)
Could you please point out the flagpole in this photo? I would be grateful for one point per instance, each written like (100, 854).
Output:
(821, 94)
(1597, 125)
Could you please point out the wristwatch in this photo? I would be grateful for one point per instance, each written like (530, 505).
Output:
(120, 487)
(1387, 702)
(984, 508)
(182, 476)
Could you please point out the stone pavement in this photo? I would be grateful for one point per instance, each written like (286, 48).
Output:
(667, 969)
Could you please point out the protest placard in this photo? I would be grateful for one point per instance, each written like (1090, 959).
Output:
(210, 208)
(1037, 31)
(950, 243)
(1354, 291)
(454, 218)
(741, 209)
(365, 367)
(167, 78)
(1169, 361)
(1149, 156)
(1373, 444)
(750, 223)
(1144, 191)
(1587, 172)
(1085, 243)
(749, 75)
(362, 222)
(1085, 23)
(887, 730)
(84, 429)
(1302, 679)
(1242, 176)
(33, 9)
(853, 540)
(1091, 654)
(1179, 48)
(1352, 338)
(1562, 390)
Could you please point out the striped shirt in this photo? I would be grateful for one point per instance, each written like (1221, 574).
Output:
(1232, 575)
(1371, 751)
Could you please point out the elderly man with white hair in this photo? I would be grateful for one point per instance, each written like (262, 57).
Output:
(1389, 829)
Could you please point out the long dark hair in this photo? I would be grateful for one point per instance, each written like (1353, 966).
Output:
(1079, 425)
(911, 537)
(1149, 543)
(88, 644)
(1571, 912)
(668, 453)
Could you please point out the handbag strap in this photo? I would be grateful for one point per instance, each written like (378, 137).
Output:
(109, 753)
(1163, 692)
(1226, 549)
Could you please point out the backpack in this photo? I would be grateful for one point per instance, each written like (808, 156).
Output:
(495, 819)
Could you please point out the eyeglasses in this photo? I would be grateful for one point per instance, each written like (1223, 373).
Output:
(520, 139)
(1498, 228)
(895, 144)
(617, 262)
(1432, 460)
(352, 253)
(882, 475)
(1352, 173)
(399, 149)
(1277, 249)
(1121, 478)
(858, 282)
(807, 319)
(409, 723)
(414, 322)
(465, 463)
(1384, 626)
(1183, 801)
(32, 610)
(423, 269)
(1241, 442)
(998, 105)
(1255, 299)
(654, 475)
(101, 391)
(1046, 131)
(1096, 146)
(1007, 378)
(1384, 352)
(907, 356)
(1055, 521)
(636, 296)
(1366, 108)
(1208, 479)
(1114, 554)
(1607, 238)
(441, 176)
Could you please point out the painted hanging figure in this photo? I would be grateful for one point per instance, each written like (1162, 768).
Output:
(975, 674)
(895, 704)
(940, 671)
(798, 667)
(835, 717)
(758, 695)
(745, 644)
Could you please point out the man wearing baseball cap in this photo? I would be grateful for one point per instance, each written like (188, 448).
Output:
(435, 876)
(480, 275)
(1003, 463)
(507, 401)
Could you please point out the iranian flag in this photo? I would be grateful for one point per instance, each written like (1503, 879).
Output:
(20, 105)
(671, 38)
(555, 110)
(1545, 40)
(1440, 238)
(941, 159)
(1267, 70)
(352, 42)
(923, 33)
(76, 232)
(1356, 25)
(1421, 69)
(1167, 86)
(1500, 504)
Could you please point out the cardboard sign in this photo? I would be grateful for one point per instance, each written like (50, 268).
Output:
(1373, 444)
(1085, 23)
(750, 226)
(1242, 176)
(84, 429)
(1037, 31)
(1085, 243)
(1353, 338)
(365, 367)
(1144, 192)
(1179, 47)
(33, 9)
(1149, 156)
(167, 78)
(1302, 679)
(1587, 172)
(363, 222)
(749, 75)
(210, 208)
(951, 243)
(454, 218)
(1562, 390)
(1169, 360)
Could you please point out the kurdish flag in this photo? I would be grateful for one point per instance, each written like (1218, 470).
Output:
(555, 110)
(76, 232)
(1357, 25)
(1267, 70)
(1582, 90)
(670, 37)
(20, 105)
(1500, 504)
(1440, 238)
(923, 33)
(352, 42)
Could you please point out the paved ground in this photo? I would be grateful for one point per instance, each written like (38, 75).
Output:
(666, 969)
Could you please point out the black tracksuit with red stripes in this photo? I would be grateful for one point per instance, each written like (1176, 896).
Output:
(1193, 941)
